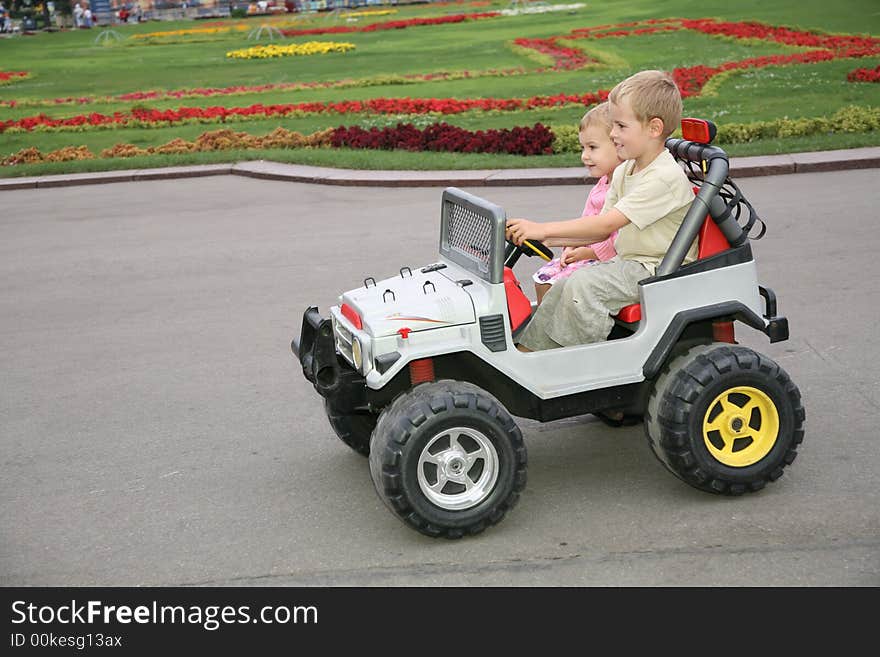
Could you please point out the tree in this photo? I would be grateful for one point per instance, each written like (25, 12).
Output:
(31, 11)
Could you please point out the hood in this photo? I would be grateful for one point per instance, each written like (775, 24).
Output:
(418, 301)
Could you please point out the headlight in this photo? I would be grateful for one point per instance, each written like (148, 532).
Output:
(356, 354)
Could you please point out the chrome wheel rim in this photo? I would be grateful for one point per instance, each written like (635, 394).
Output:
(458, 468)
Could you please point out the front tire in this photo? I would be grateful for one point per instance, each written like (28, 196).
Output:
(447, 459)
(725, 419)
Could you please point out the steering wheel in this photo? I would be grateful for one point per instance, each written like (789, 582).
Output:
(530, 248)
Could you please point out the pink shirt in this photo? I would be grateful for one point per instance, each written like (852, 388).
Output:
(595, 201)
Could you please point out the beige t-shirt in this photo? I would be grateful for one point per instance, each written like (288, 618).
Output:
(655, 201)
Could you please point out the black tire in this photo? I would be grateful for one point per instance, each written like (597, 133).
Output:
(354, 429)
(725, 419)
(412, 431)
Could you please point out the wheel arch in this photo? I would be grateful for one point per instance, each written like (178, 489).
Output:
(694, 320)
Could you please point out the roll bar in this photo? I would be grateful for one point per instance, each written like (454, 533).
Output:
(715, 167)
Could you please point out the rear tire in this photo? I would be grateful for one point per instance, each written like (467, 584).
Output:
(354, 429)
(725, 419)
(447, 459)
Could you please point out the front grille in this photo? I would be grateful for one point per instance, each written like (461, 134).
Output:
(470, 234)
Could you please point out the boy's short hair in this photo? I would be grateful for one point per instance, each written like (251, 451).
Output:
(598, 115)
(651, 94)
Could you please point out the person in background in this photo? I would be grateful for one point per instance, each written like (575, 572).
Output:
(77, 15)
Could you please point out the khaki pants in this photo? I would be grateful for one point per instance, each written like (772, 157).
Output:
(578, 309)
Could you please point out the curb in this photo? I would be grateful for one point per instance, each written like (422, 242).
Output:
(741, 167)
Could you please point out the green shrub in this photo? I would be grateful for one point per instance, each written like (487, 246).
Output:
(852, 118)
(565, 138)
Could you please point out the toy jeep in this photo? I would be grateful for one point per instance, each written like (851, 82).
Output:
(420, 371)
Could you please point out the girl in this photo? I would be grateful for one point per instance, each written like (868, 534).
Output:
(600, 157)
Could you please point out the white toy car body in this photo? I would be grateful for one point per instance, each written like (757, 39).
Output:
(420, 370)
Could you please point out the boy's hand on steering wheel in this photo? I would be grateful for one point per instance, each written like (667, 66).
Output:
(519, 230)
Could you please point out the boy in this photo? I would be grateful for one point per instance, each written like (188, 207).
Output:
(647, 200)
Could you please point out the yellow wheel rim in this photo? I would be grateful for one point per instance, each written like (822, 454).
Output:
(741, 426)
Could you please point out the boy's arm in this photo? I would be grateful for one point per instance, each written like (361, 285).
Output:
(558, 241)
(584, 229)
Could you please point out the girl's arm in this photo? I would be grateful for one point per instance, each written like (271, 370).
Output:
(585, 229)
(570, 256)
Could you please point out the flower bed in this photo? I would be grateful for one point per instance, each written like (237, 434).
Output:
(224, 28)
(536, 140)
(691, 80)
(8, 77)
(440, 136)
(154, 117)
(530, 140)
(864, 75)
(533, 140)
(393, 25)
(368, 12)
(194, 31)
(291, 50)
(564, 59)
(237, 90)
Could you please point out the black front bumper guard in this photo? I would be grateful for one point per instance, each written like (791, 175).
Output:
(333, 377)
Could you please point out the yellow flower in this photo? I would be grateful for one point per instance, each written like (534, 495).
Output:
(293, 49)
(369, 12)
(192, 31)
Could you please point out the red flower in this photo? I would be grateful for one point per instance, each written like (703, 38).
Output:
(394, 25)
(537, 140)
(566, 58)
(8, 75)
(864, 75)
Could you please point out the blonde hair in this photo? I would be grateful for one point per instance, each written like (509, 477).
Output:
(651, 94)
(600, 114)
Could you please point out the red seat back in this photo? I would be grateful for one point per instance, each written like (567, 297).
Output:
(710, 241)
(519, 308)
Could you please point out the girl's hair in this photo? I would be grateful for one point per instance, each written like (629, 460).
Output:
(598, 115)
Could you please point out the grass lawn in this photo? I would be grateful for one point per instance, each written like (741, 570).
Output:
(70, 64)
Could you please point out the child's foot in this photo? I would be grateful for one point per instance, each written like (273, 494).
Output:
(617, 418)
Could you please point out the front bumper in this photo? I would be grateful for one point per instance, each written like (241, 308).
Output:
(333, 378)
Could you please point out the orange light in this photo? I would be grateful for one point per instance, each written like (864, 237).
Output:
(723, 332)
(349, 313)
(698, 130)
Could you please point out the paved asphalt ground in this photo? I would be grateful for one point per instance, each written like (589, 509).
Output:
(156, 430)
